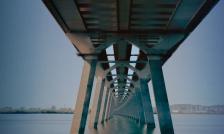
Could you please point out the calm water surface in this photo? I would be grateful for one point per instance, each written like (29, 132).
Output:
(60, 124)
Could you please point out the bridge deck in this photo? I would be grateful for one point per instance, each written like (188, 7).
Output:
(124, 44)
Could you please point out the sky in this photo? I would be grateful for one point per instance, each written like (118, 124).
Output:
(40, 67)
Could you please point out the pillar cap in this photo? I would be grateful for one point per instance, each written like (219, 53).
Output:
(90, 57)
(154, 57)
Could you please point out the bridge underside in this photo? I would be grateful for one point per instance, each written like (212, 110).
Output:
(124, 44)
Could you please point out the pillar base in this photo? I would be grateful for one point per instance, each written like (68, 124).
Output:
(81, 130)
(150, 125)
(95, 125)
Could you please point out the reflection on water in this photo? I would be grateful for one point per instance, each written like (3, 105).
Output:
(35, 123)
(121, 125)
(60, 124)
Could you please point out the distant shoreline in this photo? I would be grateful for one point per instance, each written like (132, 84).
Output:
(72, 113)
(174, 109)
(35, 113)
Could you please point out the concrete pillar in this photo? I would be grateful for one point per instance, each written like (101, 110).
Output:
(108, 107)
(95, 101)
(99, 103)
(83, 98)
(136, 110)
(165, 120)
(102, 103)
(112, 107)
(137, 104)
(147, 105)
(141, 109)
(134, 107)
(105, 106)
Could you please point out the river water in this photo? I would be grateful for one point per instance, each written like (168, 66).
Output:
(60, 124)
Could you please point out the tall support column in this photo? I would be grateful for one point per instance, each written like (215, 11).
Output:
(99, 103)
(136, 110)
(105, 105)
(95, 101)
(137, 104)
(83, 98)
(147, 105)
(141, 109)
(108, 107)
(111, 108)
(102, 103)
(162, 104)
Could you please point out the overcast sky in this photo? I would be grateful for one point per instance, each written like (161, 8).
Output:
(39, 66)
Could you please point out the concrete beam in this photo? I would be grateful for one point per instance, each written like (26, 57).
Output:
(126, 33)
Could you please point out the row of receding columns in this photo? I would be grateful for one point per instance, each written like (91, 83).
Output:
(104, 101)
(139, 106)
(162, 104)
(101, 108)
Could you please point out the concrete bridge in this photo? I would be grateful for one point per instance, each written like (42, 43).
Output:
(124, 44)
